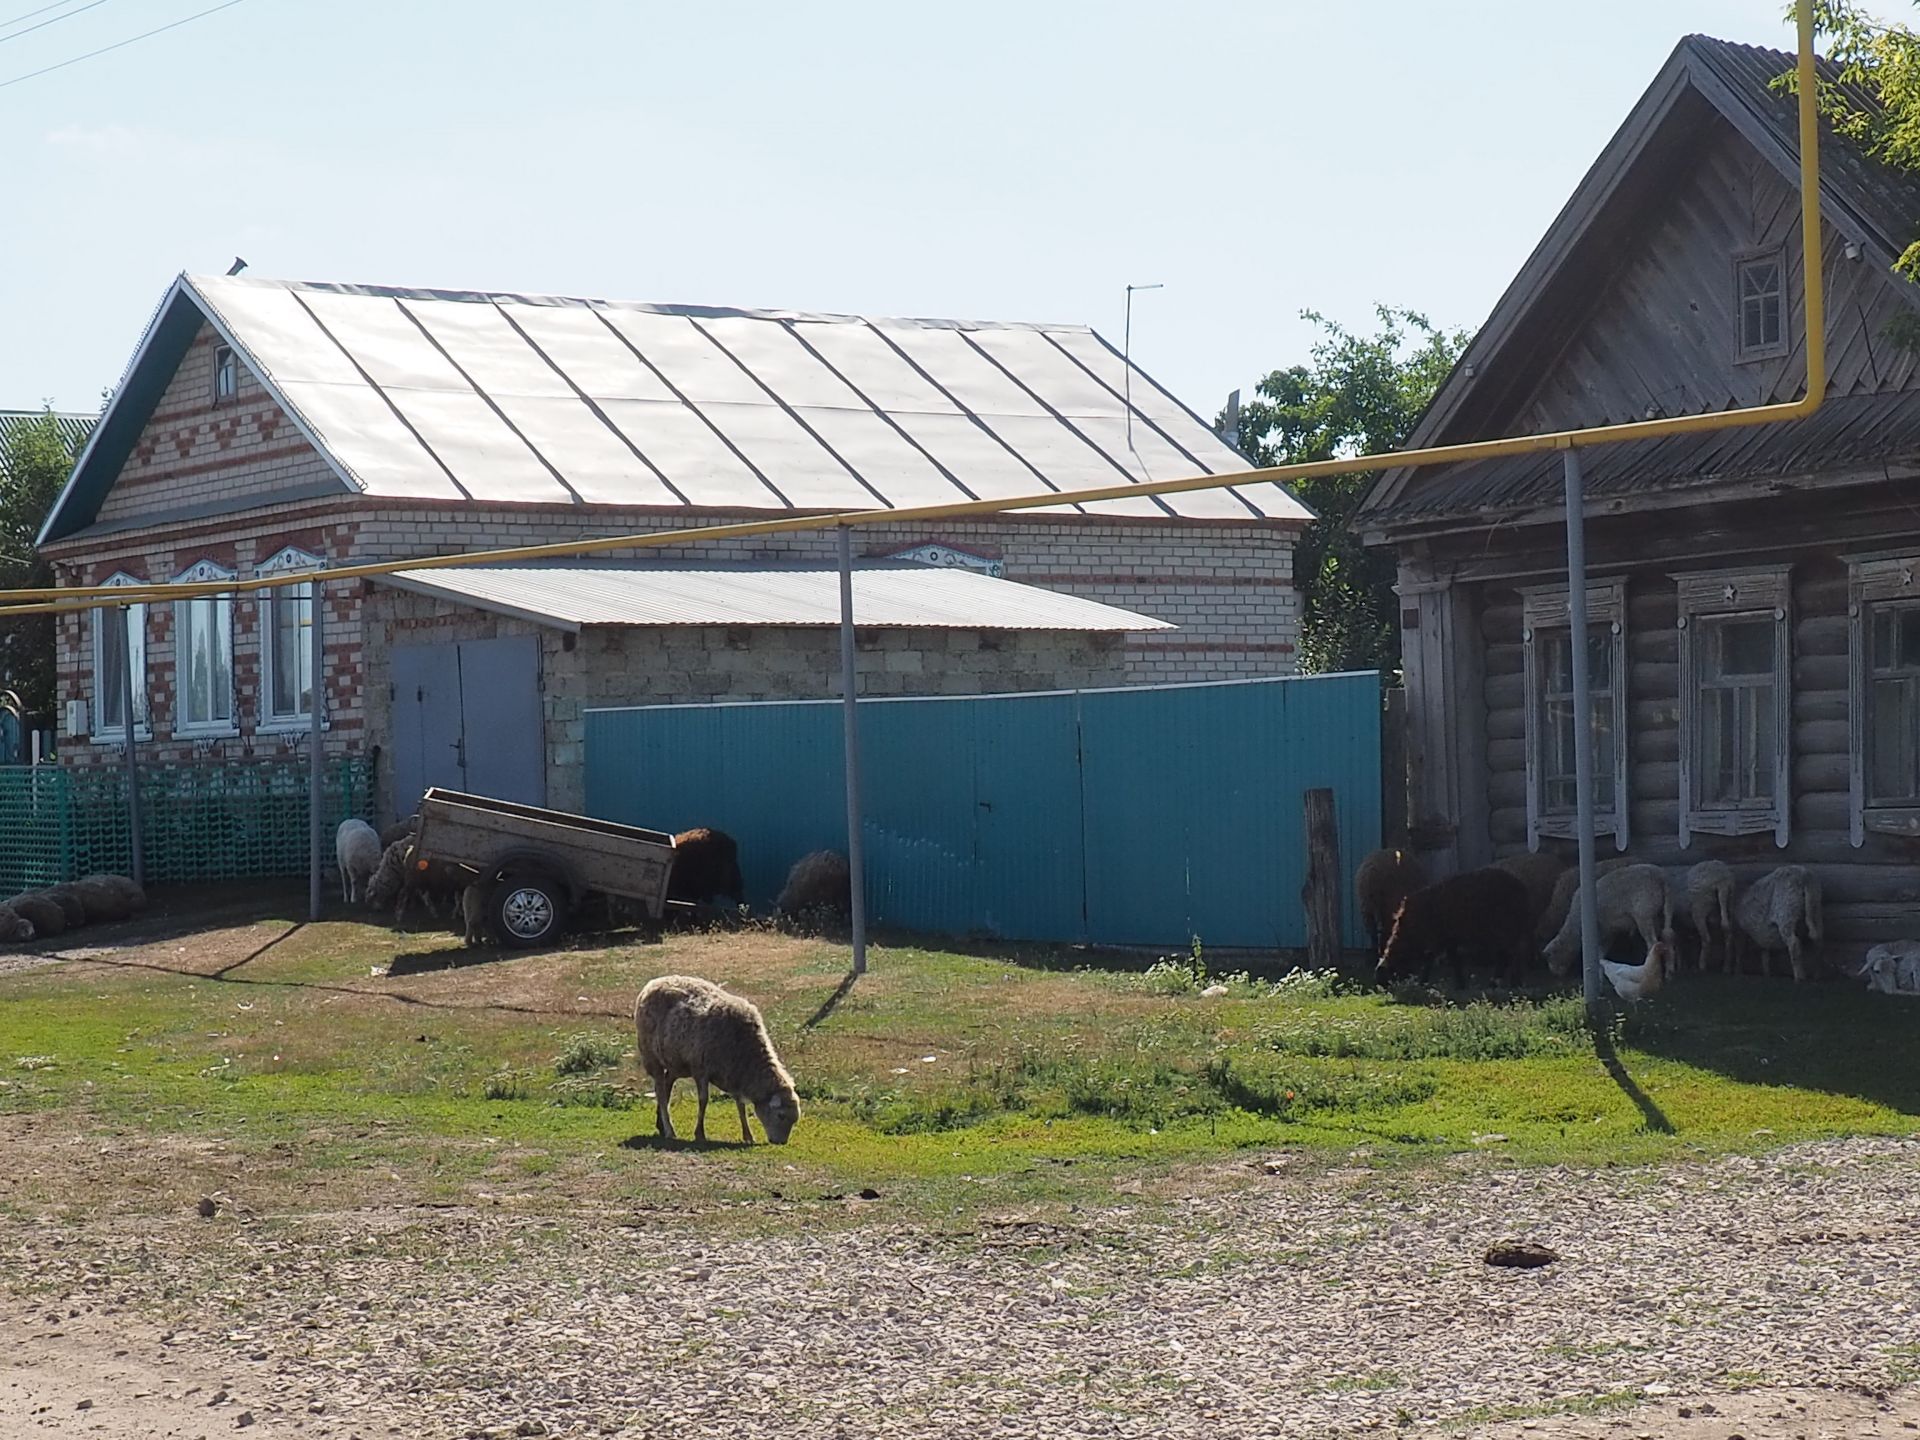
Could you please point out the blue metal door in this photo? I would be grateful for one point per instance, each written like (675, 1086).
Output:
(503, 727)
(426, 722)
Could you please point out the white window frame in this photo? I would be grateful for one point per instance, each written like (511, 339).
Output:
(137, 664)
(199, 573)
(1766, 349)
(290, 559)
(1545, 608)
(1752, 592)
(226, 373)
(1873, 581)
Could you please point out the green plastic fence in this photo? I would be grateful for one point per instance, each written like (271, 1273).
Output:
(202, 821)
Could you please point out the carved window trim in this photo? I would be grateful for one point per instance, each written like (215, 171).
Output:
(1544, 608)
(289, 559)
(136, 629)
(1873, 582)
(1750, 591)
(189, 616)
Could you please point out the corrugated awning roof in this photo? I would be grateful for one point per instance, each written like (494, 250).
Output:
(570, 597)
(73, 428)
(458, 395)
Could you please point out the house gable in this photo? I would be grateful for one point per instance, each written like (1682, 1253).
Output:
(170, 448)
(1626, 310)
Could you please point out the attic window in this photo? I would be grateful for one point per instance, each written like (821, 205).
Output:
(1760, 297)
(226, 374)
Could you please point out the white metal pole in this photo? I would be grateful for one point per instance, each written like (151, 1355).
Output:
(316, 774)
(850, 726)
(134, 845)
(1582, 732)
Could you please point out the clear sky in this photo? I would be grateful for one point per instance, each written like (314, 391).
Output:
(995, 159)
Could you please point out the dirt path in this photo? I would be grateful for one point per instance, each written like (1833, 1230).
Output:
(1233, 1302)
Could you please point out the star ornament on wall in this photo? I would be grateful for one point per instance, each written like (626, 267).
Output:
(1729, 594)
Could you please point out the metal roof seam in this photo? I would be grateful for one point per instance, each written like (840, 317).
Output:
(792, 414)
(490, 402)
(966, 410)
(380, 390)
(704, 418)
(886, 416)
(592, 405)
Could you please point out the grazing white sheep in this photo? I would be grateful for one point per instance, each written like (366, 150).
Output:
(1710, 904)
(1893, 968)
(356, 849)
(691, 1028)
(1632, 899)
(1781, 911)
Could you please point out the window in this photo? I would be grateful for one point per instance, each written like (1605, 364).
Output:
(117, 631)
(1734, 702)
(1761, 306)
(1551, 717)
(286, 645)
(203, 657)
(226, 374)
(1883, 623)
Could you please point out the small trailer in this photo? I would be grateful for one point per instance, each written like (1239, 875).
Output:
(539, 865)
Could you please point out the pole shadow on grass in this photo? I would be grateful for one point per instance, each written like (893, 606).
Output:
(1651, 1114)
(832, 1002)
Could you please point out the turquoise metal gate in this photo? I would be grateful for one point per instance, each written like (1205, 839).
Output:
(1133, 816)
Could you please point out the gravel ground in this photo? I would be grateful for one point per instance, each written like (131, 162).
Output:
(1271, 1299)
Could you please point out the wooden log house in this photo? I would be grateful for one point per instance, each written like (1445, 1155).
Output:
(1754, 594)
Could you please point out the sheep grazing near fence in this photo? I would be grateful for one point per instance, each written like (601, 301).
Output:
(1564, 889)
(1893, 968)
(356, 849)
(692, 1029)
(706, 863)
(819, 884)
(1710, 887)
(1781, 911)
(41, 911)
(1540, 872)
(1482, 911)
(1380, 883)
(1631, 899)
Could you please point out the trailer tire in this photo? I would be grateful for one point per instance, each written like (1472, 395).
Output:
(527, 909)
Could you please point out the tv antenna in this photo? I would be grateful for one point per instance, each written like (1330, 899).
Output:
(1126, 355)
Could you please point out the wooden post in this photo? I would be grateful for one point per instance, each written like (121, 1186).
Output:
(1320, 896)
(1393, 770)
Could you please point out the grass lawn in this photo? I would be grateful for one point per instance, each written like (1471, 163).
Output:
(266, 1060)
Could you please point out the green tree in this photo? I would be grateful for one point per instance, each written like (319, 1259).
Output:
(1356, 395)
(1873, 94)
(34, 464)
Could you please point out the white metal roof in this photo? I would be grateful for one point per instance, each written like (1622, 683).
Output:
(570, 597)
(439, 394)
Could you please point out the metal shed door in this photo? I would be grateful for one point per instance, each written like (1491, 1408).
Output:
(426, 722)
(503, 725)
(469, 717)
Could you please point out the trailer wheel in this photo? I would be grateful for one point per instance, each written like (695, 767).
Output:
(527, 909)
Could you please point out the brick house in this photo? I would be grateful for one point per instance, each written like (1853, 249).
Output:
(269, 426)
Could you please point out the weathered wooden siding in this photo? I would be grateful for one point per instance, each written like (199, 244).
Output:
(1872, 892)
(1659, 339)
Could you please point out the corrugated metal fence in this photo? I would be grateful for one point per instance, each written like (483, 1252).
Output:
(1135, 816)
(208, 821)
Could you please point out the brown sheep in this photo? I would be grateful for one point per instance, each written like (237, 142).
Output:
(1482, 910)
(1540, 872)
(706, 863)
(70, 903)
(820, 883)
(104, 899)
(42, 911)
(1382, 881)
(128, 893)
(691, 1028)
